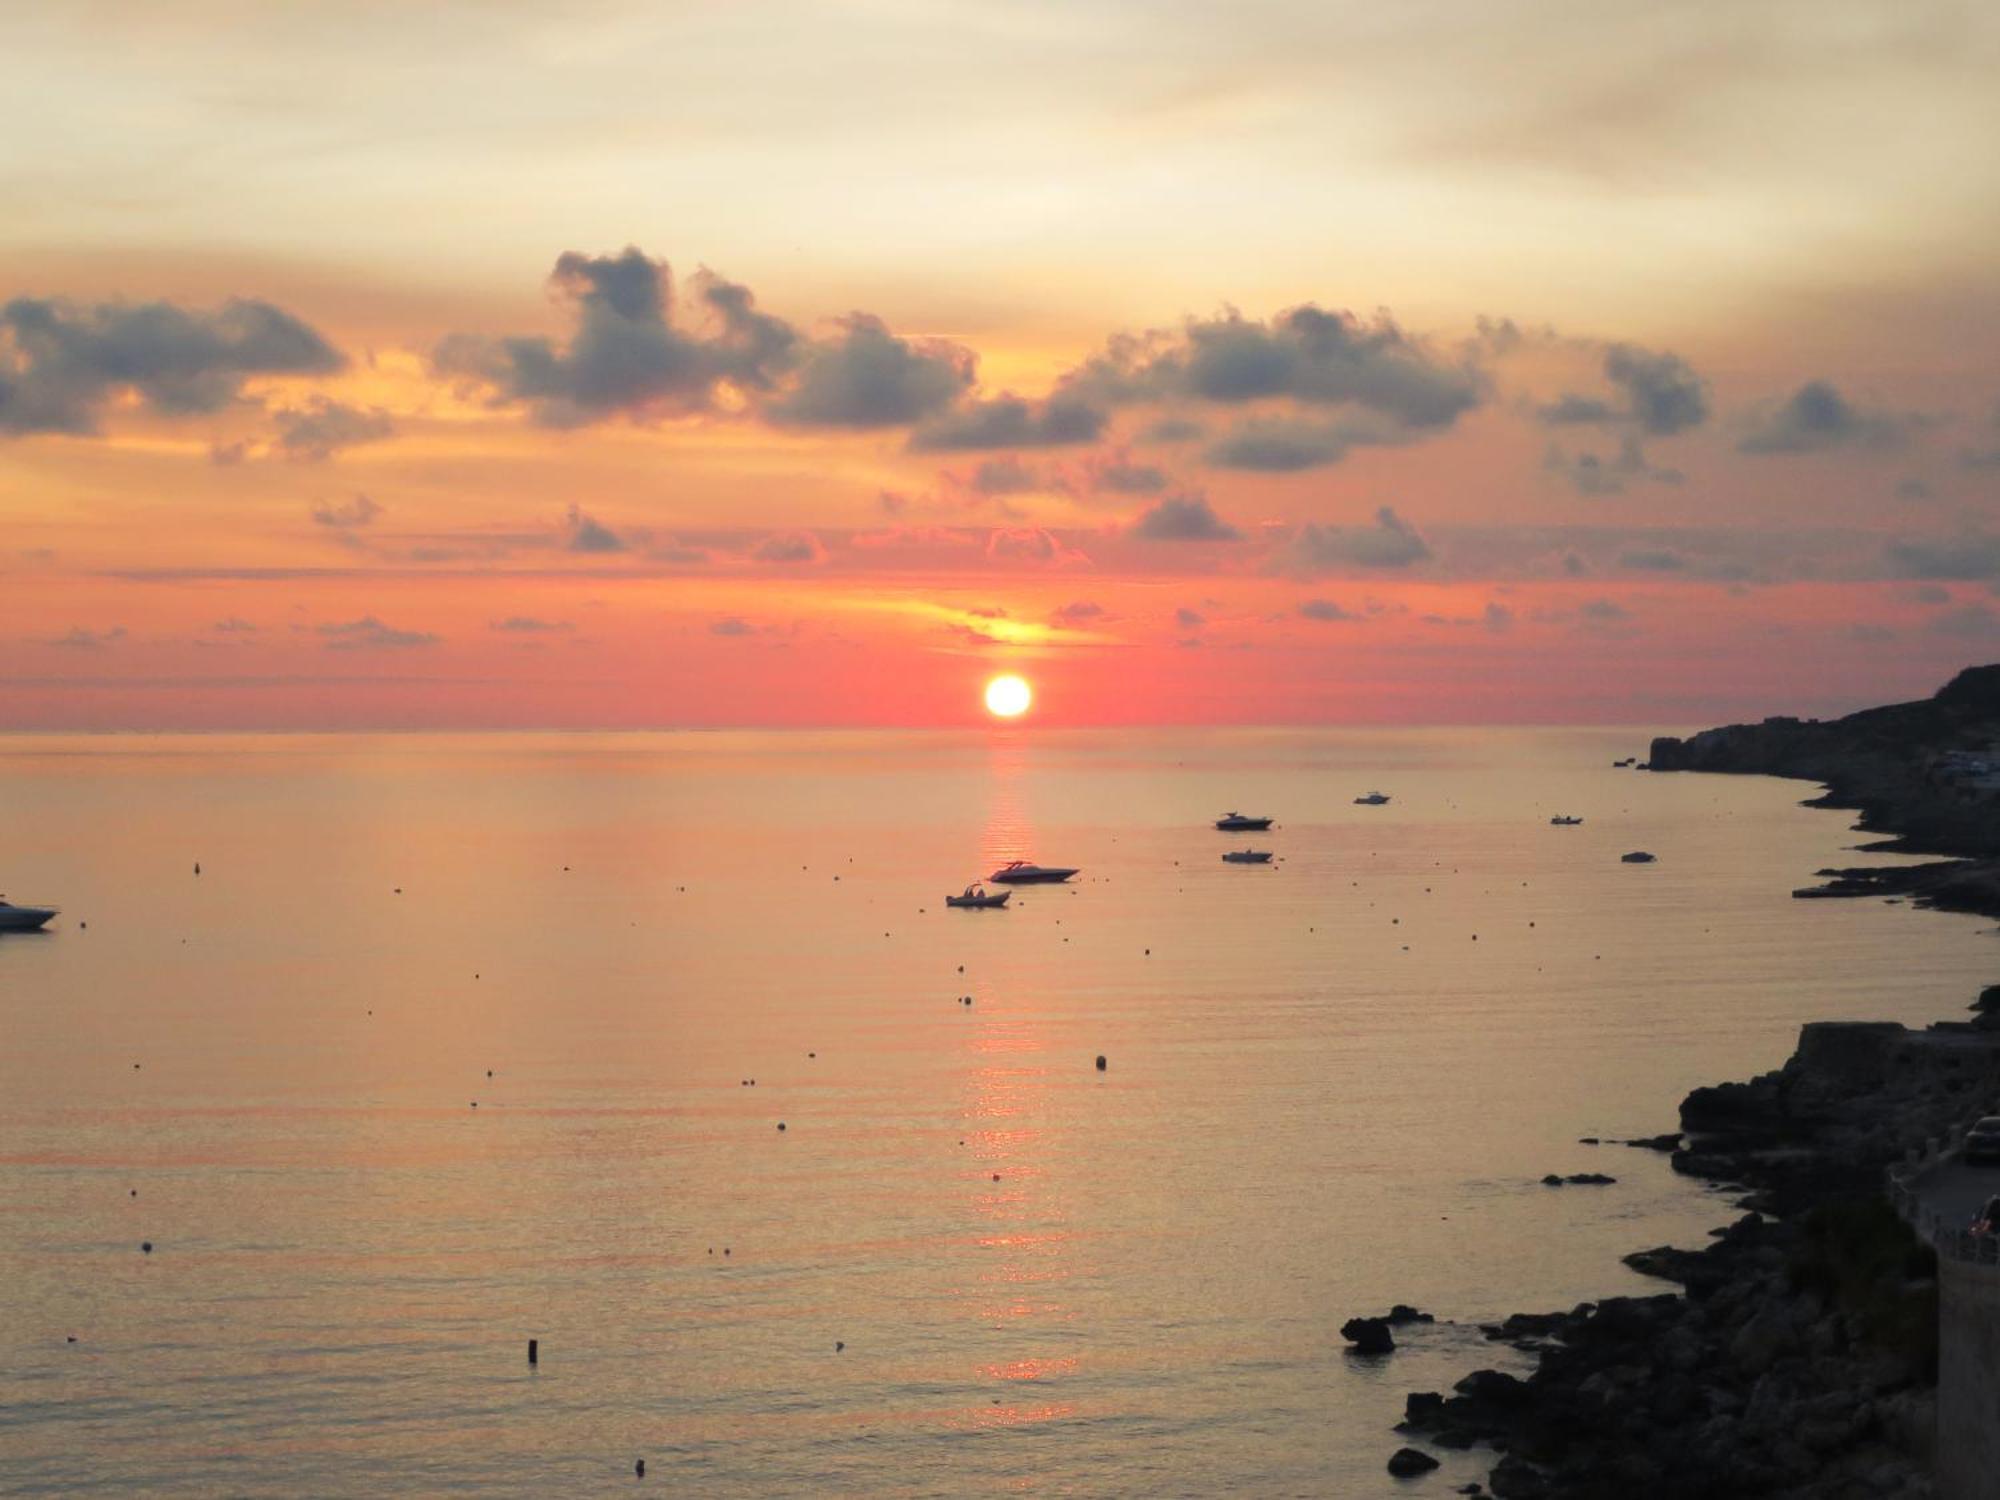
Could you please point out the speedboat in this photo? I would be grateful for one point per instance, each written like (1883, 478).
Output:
(1247, 857)
(976, 897)
(1020, 872)
(1373, 799)
(1237, 822)
(1560, 821)
(1636, 857)
(23, 918)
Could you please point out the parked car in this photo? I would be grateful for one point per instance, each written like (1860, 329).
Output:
(1982, 1143)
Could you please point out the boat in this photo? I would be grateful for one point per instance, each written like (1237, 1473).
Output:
(1373, 799)
(1560, 821)
(1247, 857)
(23, 918)
(976, 897)
(1237, 822)
(1636, 857)
(1020, 872)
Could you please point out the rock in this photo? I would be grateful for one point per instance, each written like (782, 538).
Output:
(1422, 1407)
(1589, 1179)
(1493, 1388)
(1403, 1313)
(1552, 1180)
(1407, 1463)
(1368, 1335)
(1514, 1478)
(1668, 1142)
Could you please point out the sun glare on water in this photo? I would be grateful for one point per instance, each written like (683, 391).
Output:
(1008, 696)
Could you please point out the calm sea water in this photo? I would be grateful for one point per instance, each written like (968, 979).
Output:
(1331, 1085)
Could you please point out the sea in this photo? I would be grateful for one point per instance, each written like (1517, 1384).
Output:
(664, 1052)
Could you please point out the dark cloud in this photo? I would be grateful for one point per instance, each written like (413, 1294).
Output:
(1603, 610)
(1285, 445)
(1184, 518)
(868, 377)
(1914, 489)
(1008, 421)
(1653, 560)
(233, 626)
(730, 625)
(1391, 542)
(789, 547)
(587, 534)
(346, 515)
(1172, 430)
(1572, 408)
(228, 455)
(1003, 476)
(1987, 457)
(1077, 612)
(62, 363)
(1189, 619)
(529, 625)
(1120, 476)
(1971, 554)
(1305, 354)
(322, 428)
(370, 634)
(626, 355)
(80, 639)
(1816, 417)
(1662, 391)
(1594, 474)
(1325, 609)
(1497, 617)
(1975, 620)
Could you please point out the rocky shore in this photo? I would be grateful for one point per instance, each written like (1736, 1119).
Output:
(1798, 1357)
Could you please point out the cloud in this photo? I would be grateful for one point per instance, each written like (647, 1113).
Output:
(1593, 474)
(370, 634)
(1984, 458)
(586, 534)
(1184, 518)
(1971, 554)
(1120, 476)
(626, 355)
(868, 377)
(1284, 445)
(1172, 430)
(80, 639)
(1603, 610)
(233, 626)
(1029, 544)
(1653, 560)
(1497, 617)
(1391, 542)
(730, 625)
(529, 625)
(1816, 417)
(322, 428)
(1660, 394)
(1974, 620)
(1008, 421)
(1305, 353)
(62, 363)
(1003, 476)
(1077, 612)
(1189, 619)
(347, 514)
(789, 547)
(1325, 609)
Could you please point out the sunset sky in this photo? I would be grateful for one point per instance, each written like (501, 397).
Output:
(418, 364)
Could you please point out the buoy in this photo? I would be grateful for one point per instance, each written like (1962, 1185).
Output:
(146, 1246)
(781, 1124)
(534, 1351)
(1100, 1062)
(197, 867)
(838, 1346)
(638, 1468)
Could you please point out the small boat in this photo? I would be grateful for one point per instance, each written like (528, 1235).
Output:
(1564, 822)
(1020, 872)
(23, 918)
(1373, 799)
(1636, 857)
(977, 898)
(1237, 822)
(1247, 857)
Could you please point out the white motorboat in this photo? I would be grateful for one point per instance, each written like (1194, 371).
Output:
(1236, 822)
(1021, 872)
(23, 918)
(1247, 857)
(1373, 799)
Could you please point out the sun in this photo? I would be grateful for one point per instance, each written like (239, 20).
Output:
(1008, 696)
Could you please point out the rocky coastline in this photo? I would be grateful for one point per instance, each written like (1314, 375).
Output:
(1798, 1356)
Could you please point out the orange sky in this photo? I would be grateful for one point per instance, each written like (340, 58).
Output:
(781, 364)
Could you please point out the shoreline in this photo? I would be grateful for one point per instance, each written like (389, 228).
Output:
(1798, 1357)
